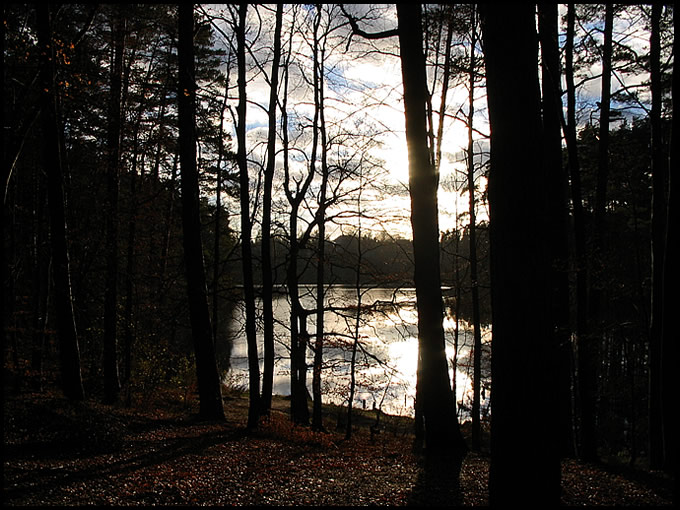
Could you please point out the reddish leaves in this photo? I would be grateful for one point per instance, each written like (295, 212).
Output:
(158, 458)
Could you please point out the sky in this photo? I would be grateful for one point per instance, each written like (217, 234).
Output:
(367, 86)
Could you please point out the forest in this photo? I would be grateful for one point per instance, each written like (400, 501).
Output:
(514, 165)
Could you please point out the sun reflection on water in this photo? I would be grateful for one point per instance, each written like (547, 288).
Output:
(387, 360)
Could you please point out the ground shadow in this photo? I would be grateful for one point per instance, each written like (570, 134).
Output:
(438, 484)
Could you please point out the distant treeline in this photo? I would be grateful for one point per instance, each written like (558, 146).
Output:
(388, 262)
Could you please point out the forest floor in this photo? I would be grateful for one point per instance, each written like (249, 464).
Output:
(56, 453)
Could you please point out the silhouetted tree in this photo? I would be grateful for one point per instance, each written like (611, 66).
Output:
(210, 394)
(442, 435)
(267, 277)
(588, 354)
(576, 189)
(472, 233)
(669, 331)
(659, 167)
(246, 226)
(557, 234)
(319, 140)
(524, 461)
(69, 351)
(111, 375)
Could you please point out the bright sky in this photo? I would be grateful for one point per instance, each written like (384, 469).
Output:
(369, 89)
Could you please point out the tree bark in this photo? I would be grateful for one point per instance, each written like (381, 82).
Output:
(442, 434)
(210, 395)
(317, 410)
(267, 284)
(579, 250)
(357, 318)
(669, 331)
(69, 352)
(524, 462)
(476, 327)
(588, 347)
(659, 212)
(298, 315)
(246, 227)
(111, 374)
(557, 214)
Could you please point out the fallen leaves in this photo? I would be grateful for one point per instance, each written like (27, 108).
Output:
(152, 459)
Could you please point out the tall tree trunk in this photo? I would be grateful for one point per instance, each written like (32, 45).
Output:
(111, 375)
(524, 461)
(669, 331)
(69, 352)
(217, 255)
(131, 268)
(588, 347)
(357, 318)
(580, 263)
(317, 415)
(246, 227)
(445, 89)
(442, 434)
(267, 283)
(476, 327)
(209, 389)
(298, 315)
(41, 284)
(557, 184)
(659, 212)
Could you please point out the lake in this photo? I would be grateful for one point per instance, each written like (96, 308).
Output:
(387, 356)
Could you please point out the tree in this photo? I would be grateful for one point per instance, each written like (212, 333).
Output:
(246, 227)
(524, 461)
(556, 182)
(320, 139)
(295, 190)
(576, 191)
(69, 351)
(111, 375)
(357, 318)
(477, 356)
(267, 284)
(442, 435)
(588, 344)
(444, 441)
(669, 333)
(210, 395)
(659, 167)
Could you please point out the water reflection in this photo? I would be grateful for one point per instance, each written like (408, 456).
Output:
(387, 357)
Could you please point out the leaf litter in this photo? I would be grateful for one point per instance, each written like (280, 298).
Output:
(56, 453)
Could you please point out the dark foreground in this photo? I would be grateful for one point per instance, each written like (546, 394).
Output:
(55, 453)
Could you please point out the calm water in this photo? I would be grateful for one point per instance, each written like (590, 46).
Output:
(387, 357)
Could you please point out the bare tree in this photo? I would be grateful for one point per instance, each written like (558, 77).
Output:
(210, 394)
(246, 226)
(443, 438)
(659, 217)
(669, 336)
(474, 276)
(267, 285)
(442, 435)
(69, 352)
(111, 375)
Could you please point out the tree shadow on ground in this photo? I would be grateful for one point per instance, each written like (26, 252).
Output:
(56, 469)
(438, 484)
